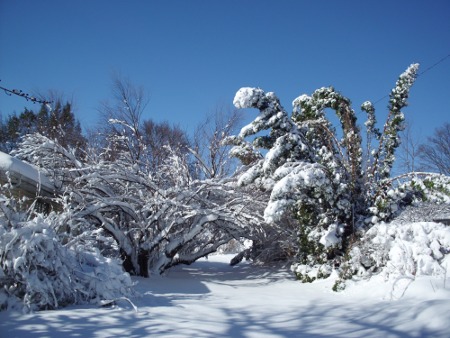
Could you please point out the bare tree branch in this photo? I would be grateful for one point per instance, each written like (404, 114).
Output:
(435, 154)
(209, 150)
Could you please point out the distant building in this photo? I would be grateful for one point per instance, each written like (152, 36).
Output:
(27, 181)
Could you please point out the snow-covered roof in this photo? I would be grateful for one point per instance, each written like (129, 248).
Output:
(25, 172)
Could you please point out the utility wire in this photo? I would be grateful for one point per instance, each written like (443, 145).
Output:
(26, 96)
(420, 74)
(434, 65)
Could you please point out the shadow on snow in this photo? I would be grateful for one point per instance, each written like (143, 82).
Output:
(183, 304)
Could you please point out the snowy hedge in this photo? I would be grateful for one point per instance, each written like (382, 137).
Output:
(409, 249)
(38, 272)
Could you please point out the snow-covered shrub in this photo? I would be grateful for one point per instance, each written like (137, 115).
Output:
(409, 189)
(411, 249)
(399, 249)
(38, 272)
(317, 174)
(151, 220)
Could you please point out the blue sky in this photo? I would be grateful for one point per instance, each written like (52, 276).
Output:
(192, 56)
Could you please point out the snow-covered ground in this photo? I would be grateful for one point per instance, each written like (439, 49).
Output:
(212, 299)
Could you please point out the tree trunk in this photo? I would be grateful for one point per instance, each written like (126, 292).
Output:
(127, 262)
(143, 258)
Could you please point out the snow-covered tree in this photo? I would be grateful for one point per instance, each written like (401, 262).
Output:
(210, 154)
(145, 140)
(319, 176)
(55, 120)
(152, 220)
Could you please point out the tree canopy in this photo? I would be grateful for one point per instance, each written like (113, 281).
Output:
(57, 122)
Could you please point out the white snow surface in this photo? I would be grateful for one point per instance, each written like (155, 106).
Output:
(247, 96)
(14, 165)
(212, 299)
(291, 180)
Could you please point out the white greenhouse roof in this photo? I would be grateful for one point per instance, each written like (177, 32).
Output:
(25, 172)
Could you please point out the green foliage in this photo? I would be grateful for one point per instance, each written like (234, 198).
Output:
(339, 285)
(304, 278)
(319, 173)
(57, 123)
(310, 251)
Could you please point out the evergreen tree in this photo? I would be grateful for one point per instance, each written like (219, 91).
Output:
(57, 123)
(318, 176)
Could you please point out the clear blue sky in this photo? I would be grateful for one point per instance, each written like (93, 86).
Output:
(192, 56)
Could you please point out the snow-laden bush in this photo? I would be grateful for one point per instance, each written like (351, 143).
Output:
(321, 177)
(409, 189)
(411, 249)
(38, 272)
(409, 246)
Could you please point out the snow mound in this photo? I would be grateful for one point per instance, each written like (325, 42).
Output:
(37, 272)
(405, 249)
(247, 97)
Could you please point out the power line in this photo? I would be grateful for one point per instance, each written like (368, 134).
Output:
(26, 96)
(434, 65)
(420, 74)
